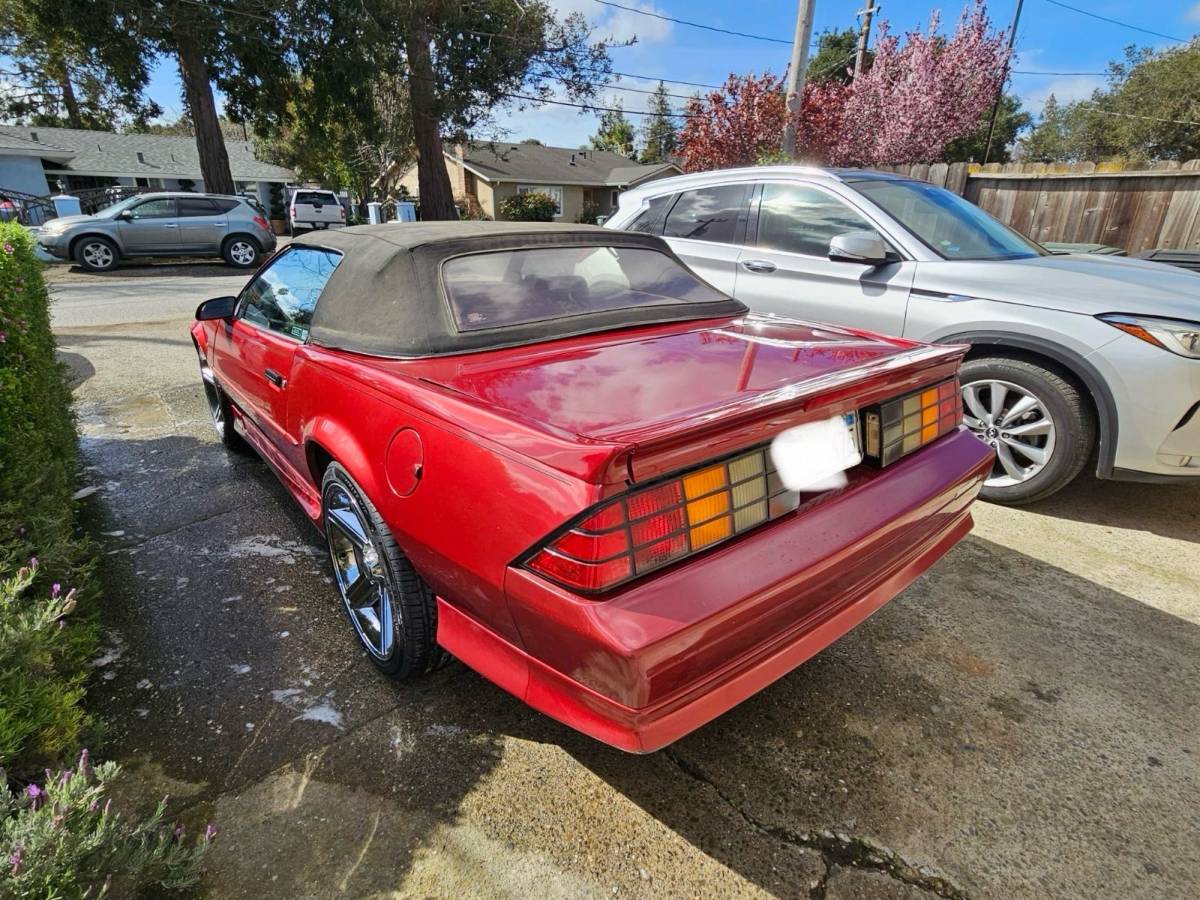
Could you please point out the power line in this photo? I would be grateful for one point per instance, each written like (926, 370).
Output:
(1032, 72)
(667, 80)
(1087, 12)
(593, 106)
(654, 15)
(1108, 112)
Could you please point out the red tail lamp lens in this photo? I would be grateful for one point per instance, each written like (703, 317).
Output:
(262, 223)
(653, 527)
(907, 423)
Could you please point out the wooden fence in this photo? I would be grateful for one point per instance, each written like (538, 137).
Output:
(1134, 209)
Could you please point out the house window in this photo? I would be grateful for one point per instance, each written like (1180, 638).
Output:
(554, 190)
(613, 202)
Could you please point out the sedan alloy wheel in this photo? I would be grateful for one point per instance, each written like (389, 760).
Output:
(1016, 423)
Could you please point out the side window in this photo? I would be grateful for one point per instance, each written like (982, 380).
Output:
(650, 219)
(198, 206)
(283, 296)
(798, 219)
(162, 208)
(708, 214)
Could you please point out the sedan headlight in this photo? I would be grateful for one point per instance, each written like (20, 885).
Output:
(1176, 335)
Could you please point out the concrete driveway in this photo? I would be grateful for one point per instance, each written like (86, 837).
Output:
(1022, 722)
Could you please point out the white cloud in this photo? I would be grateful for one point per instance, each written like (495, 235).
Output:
(619, 24)
(1066, 89)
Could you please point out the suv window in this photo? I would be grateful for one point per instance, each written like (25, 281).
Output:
(162, 208)
(708, 214)
(314, 197)
(650, 219)
(283, 296)
(198, 206)
(798, 219)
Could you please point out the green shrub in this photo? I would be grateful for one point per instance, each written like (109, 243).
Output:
(589, 214)
(42, 666)
(532, 206)
(62, 839)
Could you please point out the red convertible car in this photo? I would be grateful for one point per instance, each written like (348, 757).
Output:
(558, 455)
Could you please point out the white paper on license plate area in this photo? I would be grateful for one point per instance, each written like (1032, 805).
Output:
(815, 456)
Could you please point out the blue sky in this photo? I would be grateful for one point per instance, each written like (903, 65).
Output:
(1050, 38)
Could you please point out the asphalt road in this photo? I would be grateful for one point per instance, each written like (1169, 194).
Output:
(1022, 722)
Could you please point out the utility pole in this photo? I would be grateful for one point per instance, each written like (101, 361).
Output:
(1012, 39)
(795, 79)
(864, 36)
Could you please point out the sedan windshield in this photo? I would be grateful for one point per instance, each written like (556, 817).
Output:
(949, 225)
(517, 287)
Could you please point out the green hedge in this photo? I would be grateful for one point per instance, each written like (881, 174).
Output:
(42, 665)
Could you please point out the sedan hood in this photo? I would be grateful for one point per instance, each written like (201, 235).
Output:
(1074, 282)
(65, 222)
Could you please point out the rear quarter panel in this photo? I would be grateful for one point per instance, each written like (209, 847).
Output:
(476, 505)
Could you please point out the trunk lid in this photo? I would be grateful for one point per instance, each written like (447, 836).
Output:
(687, 392)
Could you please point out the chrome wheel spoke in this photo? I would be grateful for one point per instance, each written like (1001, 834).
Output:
(998, 394)
(1035, 455)
(1031, 429)
(1022, 406)
(1014, 422)
(346, 519)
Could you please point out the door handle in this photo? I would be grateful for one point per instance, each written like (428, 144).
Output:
(169, 225)
(275, 378)
(762, 266)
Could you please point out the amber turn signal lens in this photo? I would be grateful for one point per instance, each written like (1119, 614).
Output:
(907, 423)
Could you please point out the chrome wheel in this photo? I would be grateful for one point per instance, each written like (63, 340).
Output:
(243, 253)
(361, 575)
(1013, 421)
(215, 407)
(98, 255)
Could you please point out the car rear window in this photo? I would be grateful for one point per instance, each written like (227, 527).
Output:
(518, 287)
(650, 219)
(708, 214)
(313, 197)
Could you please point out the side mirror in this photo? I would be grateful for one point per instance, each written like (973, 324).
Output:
(125, 215)
(863, 247)
(217, 308)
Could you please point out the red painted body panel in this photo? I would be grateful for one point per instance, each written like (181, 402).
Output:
(513, 443)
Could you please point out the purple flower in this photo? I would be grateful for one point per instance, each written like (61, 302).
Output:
(210, 832)
(35, 794)
(15, 859)
(3, 336)
(85, 763)
(33, 563)
(8, 248)
(56, 588)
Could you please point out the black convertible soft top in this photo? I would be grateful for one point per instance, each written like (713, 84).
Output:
(386, 297)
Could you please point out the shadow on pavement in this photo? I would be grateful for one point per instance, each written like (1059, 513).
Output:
(1003, 728)
(1162, 509)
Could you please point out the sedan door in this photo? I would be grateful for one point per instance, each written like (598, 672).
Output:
(705, 228)
(150, 227)
(201, 225)
(785, 269)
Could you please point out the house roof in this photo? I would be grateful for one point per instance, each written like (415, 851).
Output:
(540, 164)
(105, 153)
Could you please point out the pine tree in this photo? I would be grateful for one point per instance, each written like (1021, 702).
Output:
(615, 132)
(661, 133)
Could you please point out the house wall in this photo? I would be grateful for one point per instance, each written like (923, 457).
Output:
(24, 174)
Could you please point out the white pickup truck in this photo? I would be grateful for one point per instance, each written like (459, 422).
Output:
(316, 209)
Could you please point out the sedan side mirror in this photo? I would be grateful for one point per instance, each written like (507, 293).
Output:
(125, 215)
(863, 247)
(217, 308)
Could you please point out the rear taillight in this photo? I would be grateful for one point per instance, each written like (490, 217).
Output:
(342, 210)
(653, 527)
(262, 223)
(293, 212)
(897, 427)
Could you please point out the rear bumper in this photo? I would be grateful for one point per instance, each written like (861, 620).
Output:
(664, 656)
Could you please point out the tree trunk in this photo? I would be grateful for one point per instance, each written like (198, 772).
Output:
(56, 68)
(210, 142)
(433, 181)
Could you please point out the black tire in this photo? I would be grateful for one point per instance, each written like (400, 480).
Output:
(414, 650)
(220, 410)
(241, 251)
(97, 254)
(1069, 412)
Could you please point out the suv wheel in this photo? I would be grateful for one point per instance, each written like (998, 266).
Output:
(241, 252)
(1039, 424)
(97, 254)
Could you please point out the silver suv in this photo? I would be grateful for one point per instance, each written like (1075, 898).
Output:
(1072, 356)
(177, 224)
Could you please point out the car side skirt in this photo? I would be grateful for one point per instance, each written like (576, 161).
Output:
(652, 728)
